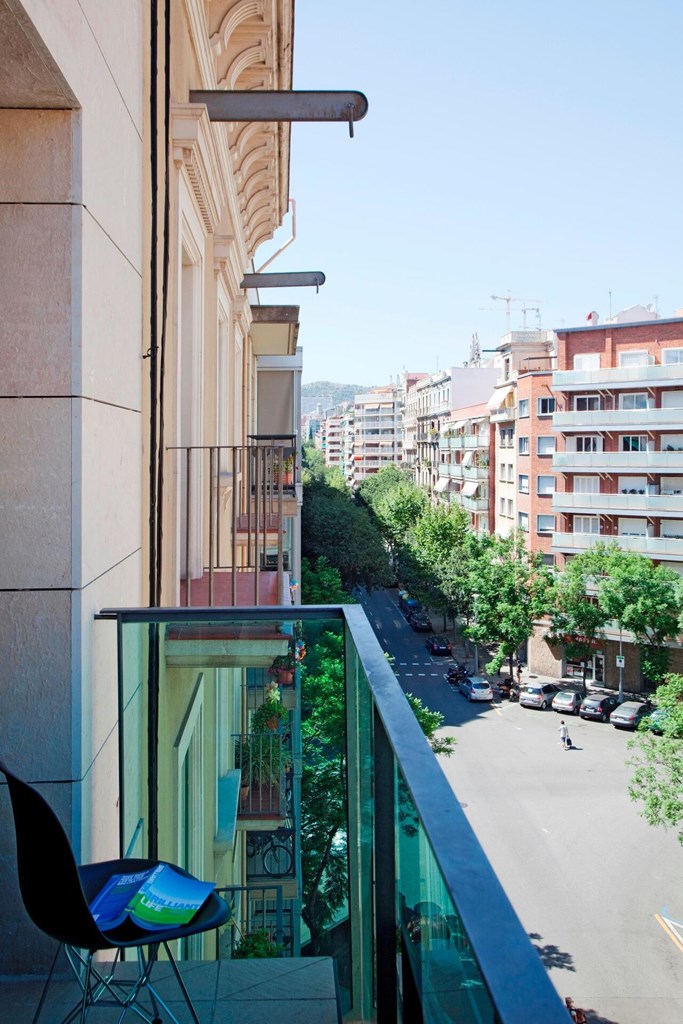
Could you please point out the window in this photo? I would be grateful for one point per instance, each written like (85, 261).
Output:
(672, 355)
(503, 472)
(633, 358)
(546, 445)
(546, 406)
(634, 443)
(502, 506)
(549, 560)
(637, 400)
(587, 361)
(523, 521)
(510, 507)
(545, 524)
(586, 524)
(587, 403)
(589, 443)
(545, 485)
(524, 446)
(523, 484)
(586, 485)
(523, 409)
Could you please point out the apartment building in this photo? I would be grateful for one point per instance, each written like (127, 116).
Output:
(433, 406)
(465, 462)
(618, 424)
(517, 463)
(411, 397)
(535, 447)
(377, 432)
(150, 419)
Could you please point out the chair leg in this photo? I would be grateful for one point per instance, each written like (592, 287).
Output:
(181, 984)
(36, 1015)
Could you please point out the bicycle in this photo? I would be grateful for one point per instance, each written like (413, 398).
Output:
(276, 856)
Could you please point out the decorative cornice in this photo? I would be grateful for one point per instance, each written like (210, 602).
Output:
(194, 148)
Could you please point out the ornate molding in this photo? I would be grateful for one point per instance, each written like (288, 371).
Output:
(193, 148)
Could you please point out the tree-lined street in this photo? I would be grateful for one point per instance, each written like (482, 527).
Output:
(596, 888)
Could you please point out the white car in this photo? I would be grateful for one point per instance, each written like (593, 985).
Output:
(476, 688)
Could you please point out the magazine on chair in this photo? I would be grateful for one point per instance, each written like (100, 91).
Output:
(156, 898)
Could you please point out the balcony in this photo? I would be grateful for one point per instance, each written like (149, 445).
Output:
(480, 440)
(435, 900)
(618, 377)
(236, 503)
(612, 462)
(669, 548)
(504, 414)
(620, 504)
(453, 443)
(618, 419)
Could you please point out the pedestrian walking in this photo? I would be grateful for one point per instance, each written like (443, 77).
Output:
(519, 673)
(564, 735)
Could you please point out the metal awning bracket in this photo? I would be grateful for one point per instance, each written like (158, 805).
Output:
(282, 105)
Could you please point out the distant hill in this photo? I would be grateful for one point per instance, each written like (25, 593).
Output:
(328, 394)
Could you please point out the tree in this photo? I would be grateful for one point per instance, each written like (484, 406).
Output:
(645, 600)
(430, 721)
(321, 583)
(577, 618)
(334, 526)
(657, 781)
(513, 590)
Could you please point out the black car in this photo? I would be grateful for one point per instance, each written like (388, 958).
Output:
(598, 708)
(420, 622)
(438, 645)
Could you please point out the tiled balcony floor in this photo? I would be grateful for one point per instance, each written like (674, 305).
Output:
(288, 990)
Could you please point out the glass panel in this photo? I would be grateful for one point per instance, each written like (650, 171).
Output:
(436, 948)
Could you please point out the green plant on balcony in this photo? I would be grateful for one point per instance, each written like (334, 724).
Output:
(256, 944)
(262, 760)
(269, 714)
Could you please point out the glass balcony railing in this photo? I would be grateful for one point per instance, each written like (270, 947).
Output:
(348, 842)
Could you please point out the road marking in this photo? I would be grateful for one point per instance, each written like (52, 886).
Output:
(422, 673)
(673, 933)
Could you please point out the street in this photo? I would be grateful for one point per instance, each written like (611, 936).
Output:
(598, 890)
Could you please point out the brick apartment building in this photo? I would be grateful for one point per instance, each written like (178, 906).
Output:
(618, 421)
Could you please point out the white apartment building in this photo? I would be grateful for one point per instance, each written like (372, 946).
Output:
(377, 432)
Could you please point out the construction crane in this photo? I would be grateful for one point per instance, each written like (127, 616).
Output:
(507, 299)
(531, 309)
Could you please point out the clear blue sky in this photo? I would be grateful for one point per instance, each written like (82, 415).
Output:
(520, 145)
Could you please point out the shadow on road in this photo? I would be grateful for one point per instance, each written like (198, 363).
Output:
(552, 956)
(593, 1017)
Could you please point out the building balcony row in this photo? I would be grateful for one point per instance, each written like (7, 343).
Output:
(670, 375)
(668, 548)
(625, 503)
(650, 461)
(618, 419)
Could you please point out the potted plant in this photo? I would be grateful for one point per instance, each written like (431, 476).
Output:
(269, 714)
(288, 471)
(263, 761)
(283, 668)
(256, 944)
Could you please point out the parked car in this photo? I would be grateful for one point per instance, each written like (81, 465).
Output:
(567, 702)
(657, 718)
(629, 714)
(538, 695)
(438, 645)
(476, 688)
(598, 708)
(420, 622)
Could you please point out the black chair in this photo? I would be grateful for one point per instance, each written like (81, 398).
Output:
(57, 892)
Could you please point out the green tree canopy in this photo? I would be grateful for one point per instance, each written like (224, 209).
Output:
(657, 781)
(513, 590)
(334, 526)
(577, 617)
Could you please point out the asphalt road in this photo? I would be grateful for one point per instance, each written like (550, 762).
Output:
(598, 890)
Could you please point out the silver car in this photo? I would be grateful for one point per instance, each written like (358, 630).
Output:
(567, 702)
(538, 695)
(629, 714)
(476, 688)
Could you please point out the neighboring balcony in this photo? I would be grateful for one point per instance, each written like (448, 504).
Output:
(618, 376)
(625, 503)
(618, 419)
(480, 440)
(237, 504)
(418, 935)
(503, 415)
(453, 443)
(669, 548)
(611, 462)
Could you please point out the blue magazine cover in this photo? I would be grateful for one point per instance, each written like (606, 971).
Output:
(158, 897)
